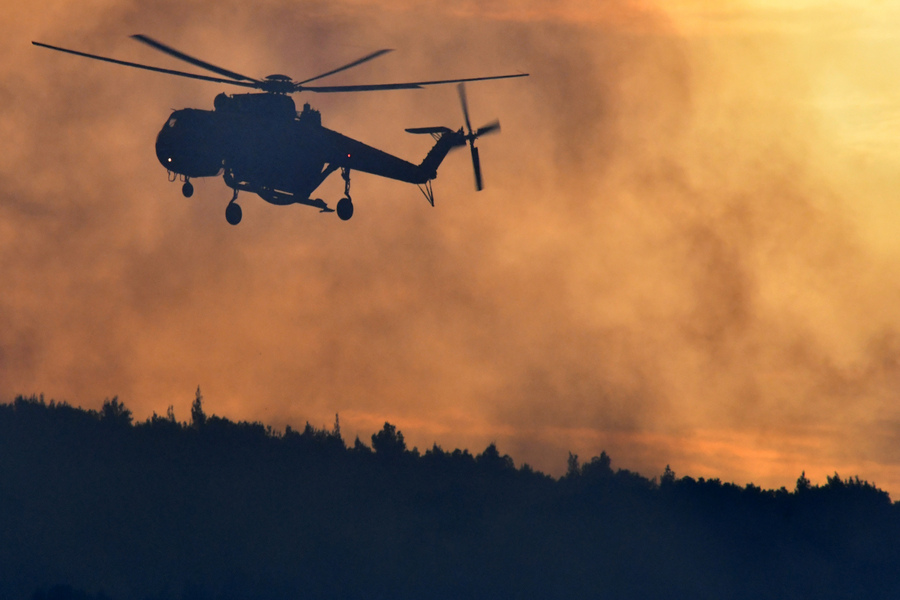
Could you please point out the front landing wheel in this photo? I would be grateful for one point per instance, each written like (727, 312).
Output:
(233, 213)
(344, 209)
(187, 189)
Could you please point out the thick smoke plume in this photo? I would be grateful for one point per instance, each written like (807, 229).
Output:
(673, 260)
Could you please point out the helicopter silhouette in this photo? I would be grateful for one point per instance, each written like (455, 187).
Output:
(260, 144)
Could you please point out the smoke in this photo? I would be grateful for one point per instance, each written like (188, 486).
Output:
(667, 262)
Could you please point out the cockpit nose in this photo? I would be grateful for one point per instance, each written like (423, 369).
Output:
(188, 144)
(166, 146)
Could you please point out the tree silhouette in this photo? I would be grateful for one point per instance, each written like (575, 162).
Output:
(491, 460)
(573, 468)
(600, 467)
(114, 413)
(388, 442)
(667, 478)
(803, 484)
(198, 417)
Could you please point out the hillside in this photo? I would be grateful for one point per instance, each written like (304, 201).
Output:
(162, 510)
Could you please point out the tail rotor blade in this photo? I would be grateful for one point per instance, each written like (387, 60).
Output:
(476, 164)
(489, 128)
(465, 106)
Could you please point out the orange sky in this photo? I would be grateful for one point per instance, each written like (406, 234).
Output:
(685, 253)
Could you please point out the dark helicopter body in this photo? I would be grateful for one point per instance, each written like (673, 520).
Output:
(262, 145)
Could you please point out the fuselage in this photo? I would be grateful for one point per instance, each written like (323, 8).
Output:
(263, 145)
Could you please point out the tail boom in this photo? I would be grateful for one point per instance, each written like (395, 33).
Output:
(447, 140)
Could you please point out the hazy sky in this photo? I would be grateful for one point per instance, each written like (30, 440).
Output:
(686, 252)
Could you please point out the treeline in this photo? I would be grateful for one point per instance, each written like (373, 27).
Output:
(94, 506)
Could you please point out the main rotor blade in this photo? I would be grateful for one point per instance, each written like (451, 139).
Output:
(147, 67)
(428, 129)
(190, 59)
(476, 164)
(461, 88)
(396, 86)
(360, 61)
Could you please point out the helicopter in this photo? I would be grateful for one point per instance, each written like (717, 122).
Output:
(259, 143)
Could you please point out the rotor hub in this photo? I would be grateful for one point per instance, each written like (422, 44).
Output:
(278, 84)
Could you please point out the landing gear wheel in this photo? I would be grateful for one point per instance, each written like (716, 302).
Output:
(344, 209)
(233, 213)
(187, 189)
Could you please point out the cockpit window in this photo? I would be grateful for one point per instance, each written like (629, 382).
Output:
(171, 122)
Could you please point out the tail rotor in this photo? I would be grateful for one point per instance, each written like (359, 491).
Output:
(472, 135)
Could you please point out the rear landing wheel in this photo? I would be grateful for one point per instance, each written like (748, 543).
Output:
(345, 209)
(233, 213)
(187, 189)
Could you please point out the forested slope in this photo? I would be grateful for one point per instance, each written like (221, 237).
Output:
(216, 509)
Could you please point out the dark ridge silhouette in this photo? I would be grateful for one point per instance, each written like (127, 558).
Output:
(95, 506)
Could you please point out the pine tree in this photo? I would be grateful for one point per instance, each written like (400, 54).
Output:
(198, 417)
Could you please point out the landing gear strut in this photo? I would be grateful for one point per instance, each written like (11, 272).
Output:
(345, 205)
(233, 211)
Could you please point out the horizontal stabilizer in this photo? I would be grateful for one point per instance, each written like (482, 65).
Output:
(431, 130)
